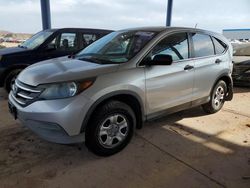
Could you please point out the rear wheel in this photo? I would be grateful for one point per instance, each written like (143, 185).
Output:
(10, 79)
(110, 129)
(217, 98)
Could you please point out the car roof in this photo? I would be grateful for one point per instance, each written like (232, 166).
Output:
(165, 28)
(161, 29)
(81, 29)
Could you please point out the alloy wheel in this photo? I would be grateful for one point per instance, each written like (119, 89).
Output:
(113, 131)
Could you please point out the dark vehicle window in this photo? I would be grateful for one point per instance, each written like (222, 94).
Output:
(175, 45)
(64, 41)
(68, 41)
(88, 39)
(219, 46)
(203, 45)
(116, 47)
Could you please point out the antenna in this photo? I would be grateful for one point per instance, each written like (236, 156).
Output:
(195, 25)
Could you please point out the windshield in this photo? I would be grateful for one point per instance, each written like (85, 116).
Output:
(117, 47)
(36, 40)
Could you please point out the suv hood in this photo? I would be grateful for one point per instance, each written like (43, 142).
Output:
(6, 51)
(61, 70)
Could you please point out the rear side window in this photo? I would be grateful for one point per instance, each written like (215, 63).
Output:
(203, 45)
(88, 38)
(220, 47)
(175, 45)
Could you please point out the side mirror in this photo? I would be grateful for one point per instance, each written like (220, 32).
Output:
(161, 59)
(50, 47)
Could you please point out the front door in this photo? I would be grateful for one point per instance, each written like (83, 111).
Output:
(170, 85)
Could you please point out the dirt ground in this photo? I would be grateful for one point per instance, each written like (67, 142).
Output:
(9, 44)
(186, 149)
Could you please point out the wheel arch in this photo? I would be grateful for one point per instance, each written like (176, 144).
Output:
(228, 80)
(130, 98)
(9, 70)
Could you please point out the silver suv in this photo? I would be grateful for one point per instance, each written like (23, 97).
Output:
(127, 77)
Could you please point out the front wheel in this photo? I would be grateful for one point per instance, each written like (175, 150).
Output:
(110, 129)
(217, 98)
(10, 79)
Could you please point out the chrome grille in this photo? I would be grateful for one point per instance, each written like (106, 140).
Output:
(24, 94)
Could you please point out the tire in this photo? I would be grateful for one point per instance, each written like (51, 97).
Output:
(10, 78)
(110, 129)
(217, 98)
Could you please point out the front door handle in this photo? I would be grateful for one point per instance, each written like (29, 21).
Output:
(188, 67)
(217, 61)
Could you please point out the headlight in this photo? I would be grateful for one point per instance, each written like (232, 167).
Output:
(64, 90)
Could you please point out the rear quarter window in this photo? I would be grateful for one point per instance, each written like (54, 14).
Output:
(219, 46)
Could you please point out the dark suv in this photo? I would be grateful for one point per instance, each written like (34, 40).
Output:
(44, 45)
(241, 70)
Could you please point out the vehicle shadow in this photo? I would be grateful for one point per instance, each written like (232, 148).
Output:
(221, 161)
(172, 118)
(214, 153)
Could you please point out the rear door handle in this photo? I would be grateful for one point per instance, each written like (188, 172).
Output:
(188, 67)
(217, 61)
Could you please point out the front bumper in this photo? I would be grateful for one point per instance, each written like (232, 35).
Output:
(58, 121)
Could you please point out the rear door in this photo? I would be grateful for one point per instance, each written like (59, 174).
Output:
(170, 85)
(208, 65)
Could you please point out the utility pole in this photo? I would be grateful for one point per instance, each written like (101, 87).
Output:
(169, 12)
(45, 11)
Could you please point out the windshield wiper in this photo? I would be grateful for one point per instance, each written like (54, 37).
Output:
(90, 60)
(87, 54)
(97, 60)
(20, 46)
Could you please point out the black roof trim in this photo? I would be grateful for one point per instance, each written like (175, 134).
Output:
(80, 29)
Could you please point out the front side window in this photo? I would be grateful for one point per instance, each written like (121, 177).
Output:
(116, 47)
(36, 40)
(203, 45)
(175, 45)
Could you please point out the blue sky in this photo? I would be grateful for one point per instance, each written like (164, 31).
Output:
(24, 15)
